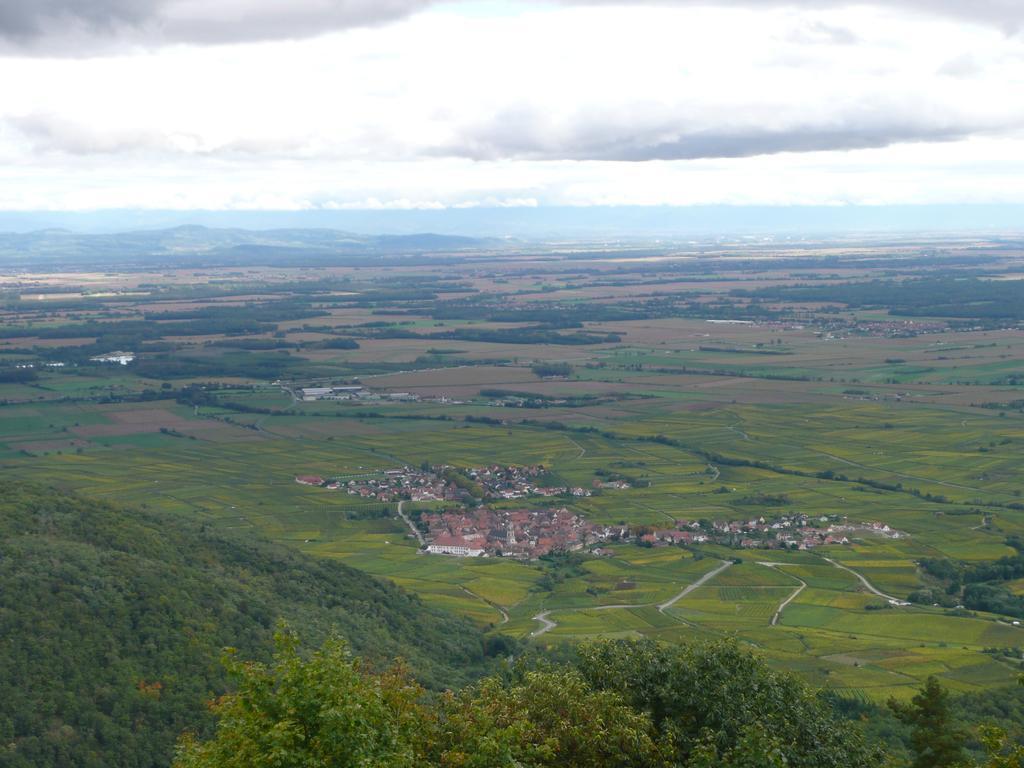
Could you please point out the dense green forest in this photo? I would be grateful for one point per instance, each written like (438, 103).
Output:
(622, 704)
(113, 623)
(616, 704)
(951, 297)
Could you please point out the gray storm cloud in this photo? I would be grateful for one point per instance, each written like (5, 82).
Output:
(638, 132)
(527, 134)
(72, 27)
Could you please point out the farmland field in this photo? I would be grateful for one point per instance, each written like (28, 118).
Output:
(670, 395)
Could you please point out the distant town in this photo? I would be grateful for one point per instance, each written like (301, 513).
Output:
(475, 529)
(446, 483)
(349, 392)
(532, 533)
(519, 533)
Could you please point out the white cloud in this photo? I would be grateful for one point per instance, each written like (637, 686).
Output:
(76, 27)
(537, 104)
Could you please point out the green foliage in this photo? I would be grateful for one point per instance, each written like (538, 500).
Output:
(936, 740)
(756, 748)
(1003, 569)
(17, 375)
(544, 718)
(330, 710)
(551, 369)
(994, 599)
(558, 567)
(460, 480)
(719, 705)
(325, 711)
(956, 297)
(301, 713)
(998, 752)
(113, 621)
(1000, 707)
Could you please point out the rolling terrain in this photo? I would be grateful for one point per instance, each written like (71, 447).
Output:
(722, 389)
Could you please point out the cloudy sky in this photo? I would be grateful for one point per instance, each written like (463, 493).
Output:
(338, 104)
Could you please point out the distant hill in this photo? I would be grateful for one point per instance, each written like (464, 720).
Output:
(556, 222)
(203, 246)
(112, 624)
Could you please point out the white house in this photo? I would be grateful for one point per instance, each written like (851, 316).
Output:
(454, 545)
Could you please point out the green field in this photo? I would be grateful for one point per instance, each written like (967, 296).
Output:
(711, 412)
(237, 471)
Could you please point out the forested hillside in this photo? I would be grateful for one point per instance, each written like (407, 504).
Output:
(113, 623)
(623, 704)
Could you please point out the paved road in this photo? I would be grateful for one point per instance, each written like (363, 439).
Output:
(699, 582)
(791, 598)
(863, 581)
(543, 619)
(548, 624)
(738, 431)
(413, 528)
(583, 451)
(495, 606)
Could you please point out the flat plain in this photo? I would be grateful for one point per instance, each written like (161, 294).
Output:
(717, 394)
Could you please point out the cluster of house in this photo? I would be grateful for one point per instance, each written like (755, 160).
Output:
(24, 366)
(392, 485)
(436, 483)
(118, 358)
(841, 328)
(474, 530)
(786, 532)
(528, 534)
(515, 482)
(351, 392)
(524, 534)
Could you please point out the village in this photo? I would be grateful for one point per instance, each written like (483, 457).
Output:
(797, 531)
(524, 534)
(474, 529)
(446, 483)
(529, 534)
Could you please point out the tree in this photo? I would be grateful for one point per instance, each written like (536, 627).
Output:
(327, 711)
(998, 752)
(544, 718)
(936, 741)
(756, 748)
(628, 705)
(717, 704)
(324, 711)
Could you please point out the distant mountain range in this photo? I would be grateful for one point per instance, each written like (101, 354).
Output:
(316, 237)
(203, 246)
(558, 222)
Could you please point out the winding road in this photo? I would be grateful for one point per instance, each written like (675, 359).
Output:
(413, 528)
(788, 600)
(495, 606)
(582, 450)
(698, 583)
(865, 582)
(547, 624)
